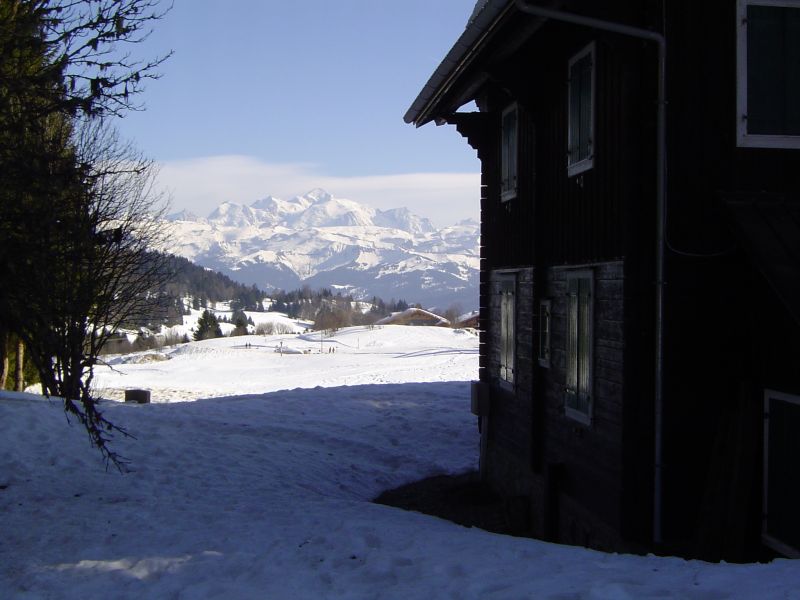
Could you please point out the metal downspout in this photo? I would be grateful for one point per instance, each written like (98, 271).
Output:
(661, 198)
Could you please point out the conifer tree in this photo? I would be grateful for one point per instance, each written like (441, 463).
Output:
(207, 327)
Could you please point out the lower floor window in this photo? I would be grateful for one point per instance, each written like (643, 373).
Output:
(578, 389)
(508, 286)
(544, 333)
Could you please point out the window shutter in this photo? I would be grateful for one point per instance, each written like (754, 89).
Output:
(584, 345)
(507, 330)
(508, 151)
(578, 384)
(574, 114)
(544, 333)
(580, 108)
(585, 127)
(573, 288)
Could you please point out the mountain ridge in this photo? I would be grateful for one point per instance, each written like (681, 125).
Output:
(322, 241)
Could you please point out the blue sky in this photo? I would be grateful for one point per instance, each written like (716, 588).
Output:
(278, 97)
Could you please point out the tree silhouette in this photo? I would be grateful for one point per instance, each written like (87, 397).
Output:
(75, 220)
(207, 327)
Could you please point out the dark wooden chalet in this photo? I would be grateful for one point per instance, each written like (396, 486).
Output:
(640, 266)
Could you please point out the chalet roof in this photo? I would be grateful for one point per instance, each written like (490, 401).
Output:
(770, 231)
(484, 19)
(498, 27)
(411, 313)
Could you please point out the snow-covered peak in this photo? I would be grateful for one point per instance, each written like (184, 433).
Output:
(334, 212)
(321, 240)
(274, 211)
(231, 214)
(184, 215)
(266, 203)
(404, 219)
(317, 195)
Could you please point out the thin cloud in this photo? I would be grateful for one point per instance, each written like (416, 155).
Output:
(201, 184)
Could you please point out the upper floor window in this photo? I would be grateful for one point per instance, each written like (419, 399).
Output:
(768, 73)
(580, 111)
(508, 153)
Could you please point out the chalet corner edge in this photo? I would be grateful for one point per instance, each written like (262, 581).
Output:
(639, 379)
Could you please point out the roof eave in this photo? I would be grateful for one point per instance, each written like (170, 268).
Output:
(458, 59)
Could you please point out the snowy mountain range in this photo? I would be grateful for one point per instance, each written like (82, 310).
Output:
(323, 241)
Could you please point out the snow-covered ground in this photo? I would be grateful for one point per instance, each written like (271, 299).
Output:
(279, 321)
(252, 474)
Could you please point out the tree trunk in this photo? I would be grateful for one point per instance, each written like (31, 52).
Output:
(3, 357)
(19, 372)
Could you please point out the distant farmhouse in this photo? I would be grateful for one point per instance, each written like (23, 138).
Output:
(470, 319)
(414, 316)
(640, 266)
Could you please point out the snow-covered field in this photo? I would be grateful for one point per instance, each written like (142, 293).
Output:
(252, 475)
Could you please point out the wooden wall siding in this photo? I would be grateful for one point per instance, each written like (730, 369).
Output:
(582, 219)
(479, 131)
(484, 293)
(508, 225)
(511, 416)
(606, 219)
(556, 219)
(591, 455)
(704, 161)
(711, 355)
(490, 190)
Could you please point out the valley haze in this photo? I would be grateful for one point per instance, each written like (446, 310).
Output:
(320, 240)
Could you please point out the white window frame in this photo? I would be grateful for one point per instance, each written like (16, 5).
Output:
(508, 190)
(545, 332)
(766, 538)
(573, 413)
(579, 166)
(743, 138)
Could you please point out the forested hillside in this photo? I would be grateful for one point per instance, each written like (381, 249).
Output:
(206, 287)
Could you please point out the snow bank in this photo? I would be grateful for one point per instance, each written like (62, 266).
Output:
(267, 495)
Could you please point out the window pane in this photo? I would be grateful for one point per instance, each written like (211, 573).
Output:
(508, 156)
(572, 337)
(580, 109)
(773, 70)
(584, 341)
(586, 108)
(544, 332)
(574, 114)
(791, 38)
(503, 335)
(507, 330)
(510, 335)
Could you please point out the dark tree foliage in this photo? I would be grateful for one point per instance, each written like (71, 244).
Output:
(198, 282)
(86, 45)
(240, 321)
(75, 203)
(207, 327)
(329, 310)
(331, 317)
